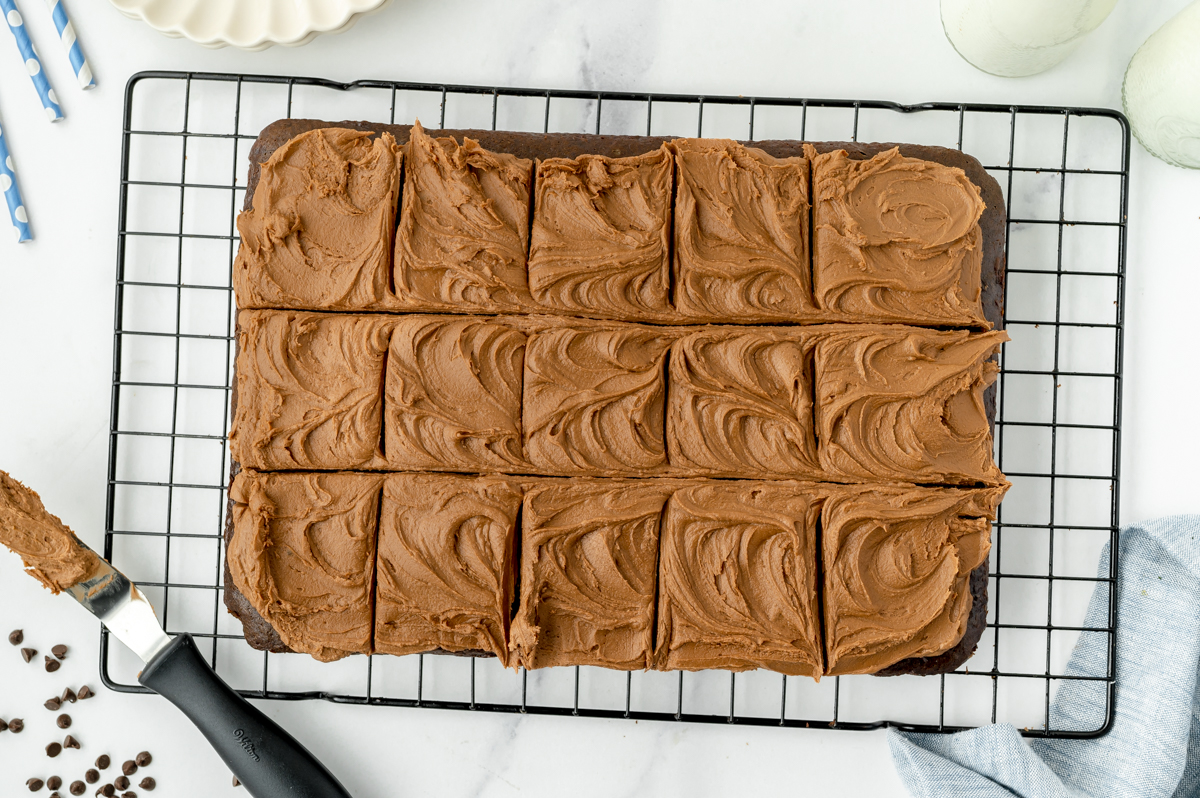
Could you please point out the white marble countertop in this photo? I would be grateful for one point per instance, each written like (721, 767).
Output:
(56, 352)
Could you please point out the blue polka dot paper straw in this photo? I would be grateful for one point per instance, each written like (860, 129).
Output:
(70, 42)
(32, 63)
(12, 193)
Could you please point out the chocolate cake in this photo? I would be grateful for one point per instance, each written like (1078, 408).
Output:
(549, 392)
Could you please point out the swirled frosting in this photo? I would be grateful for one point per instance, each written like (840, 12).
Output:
(594, 401)
(740, 403)
(320, 233)
(589, 553)
(309, 390)
(741, 233)
(464, 226)
(601, 234)
(453, 399)
(898, 563)
(303, 554)
(51, 552)
(738, 579)
(905, 404)
(446, 569)
(897, 239)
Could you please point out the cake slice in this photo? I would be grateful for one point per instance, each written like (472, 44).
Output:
(309, 390)
(302, 552)
(446, 566)
(738, 579)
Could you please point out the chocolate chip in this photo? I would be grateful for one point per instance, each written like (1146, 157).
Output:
(54, 782)
(129, 767)
(52, 665)
(103, 761)
(29, 653)
(53, 704)
(121, 783)
(68, 695)
(108, 791)
(16, 637)
(59, 651)
(16, 725)
(236, 783)
(92, 776)
(53, 750)
(148, 784)
(85, 693)
(129, 794)
(3, 725)
(78, 788)
(35, 784)
(55, 795)
(70, 742)
(63, 721)
(143, 759)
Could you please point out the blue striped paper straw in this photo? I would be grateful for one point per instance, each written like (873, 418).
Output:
(70, 42)
(12, 193)
(32, 63)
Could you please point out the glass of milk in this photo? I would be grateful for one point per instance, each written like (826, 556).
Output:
(1161, 93)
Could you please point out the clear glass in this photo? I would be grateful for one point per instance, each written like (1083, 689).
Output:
(1015, 38)
(1161, 93)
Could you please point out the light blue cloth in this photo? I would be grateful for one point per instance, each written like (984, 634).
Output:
(1153, 749)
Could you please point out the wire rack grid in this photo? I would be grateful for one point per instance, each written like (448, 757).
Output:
(1064, 172)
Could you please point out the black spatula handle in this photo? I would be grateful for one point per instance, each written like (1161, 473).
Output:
(264, 757)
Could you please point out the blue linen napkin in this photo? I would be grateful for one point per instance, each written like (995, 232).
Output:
(1153, 748)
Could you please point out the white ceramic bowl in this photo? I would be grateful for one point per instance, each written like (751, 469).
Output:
(248, 24)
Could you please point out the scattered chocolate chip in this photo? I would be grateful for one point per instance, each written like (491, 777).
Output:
(129, 794)
(103, 761)
(3, 725)
(236, 783)
(16, 637)
(29, 654)
(121, 782)
(108, 791)
(53, 704)
(55, 795)
(52, 665)
(70, 742)
(143, 759)
(54, 782)
(85, 693)
(148, 784)
(129, 767)
(78, 788)
(68, 695)
(92, 776)
(53, 750)
(59, 651)
(35, 784)
(63, 721)
(16, 725)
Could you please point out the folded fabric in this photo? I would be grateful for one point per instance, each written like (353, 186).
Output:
(1153, 748)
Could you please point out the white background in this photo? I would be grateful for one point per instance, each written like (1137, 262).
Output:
(56, 351)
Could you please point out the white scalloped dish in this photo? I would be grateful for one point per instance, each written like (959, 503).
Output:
(248, 24)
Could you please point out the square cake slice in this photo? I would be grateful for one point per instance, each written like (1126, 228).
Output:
(740, 403)
(903, 404)
(464, 227)
(738, 579)
(309, 390)
(741, 233)
(897, 239)
(303, 555)
(594, 400)
(601, 235)
(453, 397)
(897, 563)
(589, 557)
(446, 567)
(320, 233)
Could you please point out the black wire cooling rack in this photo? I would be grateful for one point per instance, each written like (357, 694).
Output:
(1065, 175)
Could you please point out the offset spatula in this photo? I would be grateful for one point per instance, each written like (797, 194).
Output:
(264, 757)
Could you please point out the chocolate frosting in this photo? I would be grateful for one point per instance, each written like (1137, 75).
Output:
(446, 567)
(601, 234)
(51, 552)
(589, 553)
(309, 390)
(898, 562)
(905, 404)
(897, 237)
(320, 233)
(464, 226)
(303, 554)
(738, 579)
(741, 233)
(740, 403)
(594, 400)
(453, 398)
